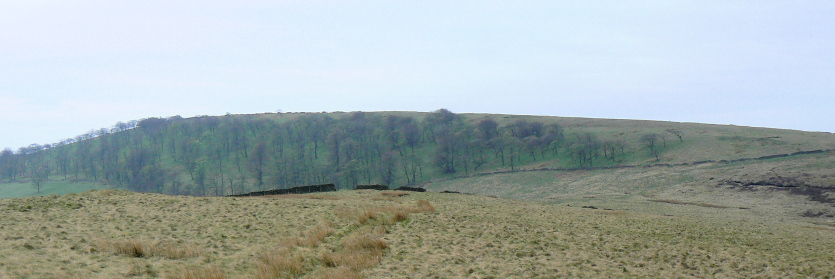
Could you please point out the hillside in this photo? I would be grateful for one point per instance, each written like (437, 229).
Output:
(388, 234)
(527, 197)
(232, 154)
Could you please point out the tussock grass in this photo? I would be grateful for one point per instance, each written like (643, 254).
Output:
(465, 236)
(139, 248)
(342, 272)
(279, 264)
(312, 237)
(318, 234)
(360, 250)
(424, 206)
(132, 248)
(398, 216)
(394, 194)
(480, 237)
(395, 213)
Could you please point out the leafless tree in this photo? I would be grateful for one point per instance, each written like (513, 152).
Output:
(650, 140)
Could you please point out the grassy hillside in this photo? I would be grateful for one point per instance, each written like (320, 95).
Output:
(371, 234)
(221, 155)
(53, 187)
(798, 189)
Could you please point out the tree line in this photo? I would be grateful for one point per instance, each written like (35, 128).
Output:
(233, 154)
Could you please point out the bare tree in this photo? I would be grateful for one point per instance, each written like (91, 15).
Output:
(257, 163)
(650, 140)
(677, 133)
(40, 174)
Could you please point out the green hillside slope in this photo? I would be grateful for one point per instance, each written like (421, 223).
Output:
(222, 155)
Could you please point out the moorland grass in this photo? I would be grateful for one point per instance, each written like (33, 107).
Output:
(690, 186)
(480, 237)
(442, 235)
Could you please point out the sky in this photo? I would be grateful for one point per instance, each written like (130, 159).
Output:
(68, 67)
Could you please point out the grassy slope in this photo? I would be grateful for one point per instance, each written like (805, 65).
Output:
(52, 187)
(739, 234)
(72, 236)
(636, 188)
(639, 189)
(701, 142)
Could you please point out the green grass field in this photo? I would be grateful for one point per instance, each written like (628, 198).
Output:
(55, 187)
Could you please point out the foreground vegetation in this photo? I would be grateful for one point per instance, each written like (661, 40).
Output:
(389, 234)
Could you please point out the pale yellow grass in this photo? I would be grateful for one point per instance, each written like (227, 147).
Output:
(694, 190)
(140, 248)
(360, 250)
(394, 193)
(480, 237)
(440, 236)
(118, 234)
(212, 272)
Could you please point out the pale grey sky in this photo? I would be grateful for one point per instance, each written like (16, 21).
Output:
(67, 67)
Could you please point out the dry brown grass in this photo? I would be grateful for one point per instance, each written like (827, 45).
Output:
(425, 206)
(360, 250)
(396, 213)
(140, 248)
(342, 272)
(394, 194)
(398, 216)
(212, 272)
(118, 234)
(312, 237)
(132, 248)
(279, 264)
(364, 215)
(467, 236)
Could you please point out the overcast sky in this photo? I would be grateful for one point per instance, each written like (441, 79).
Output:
(67, 67)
